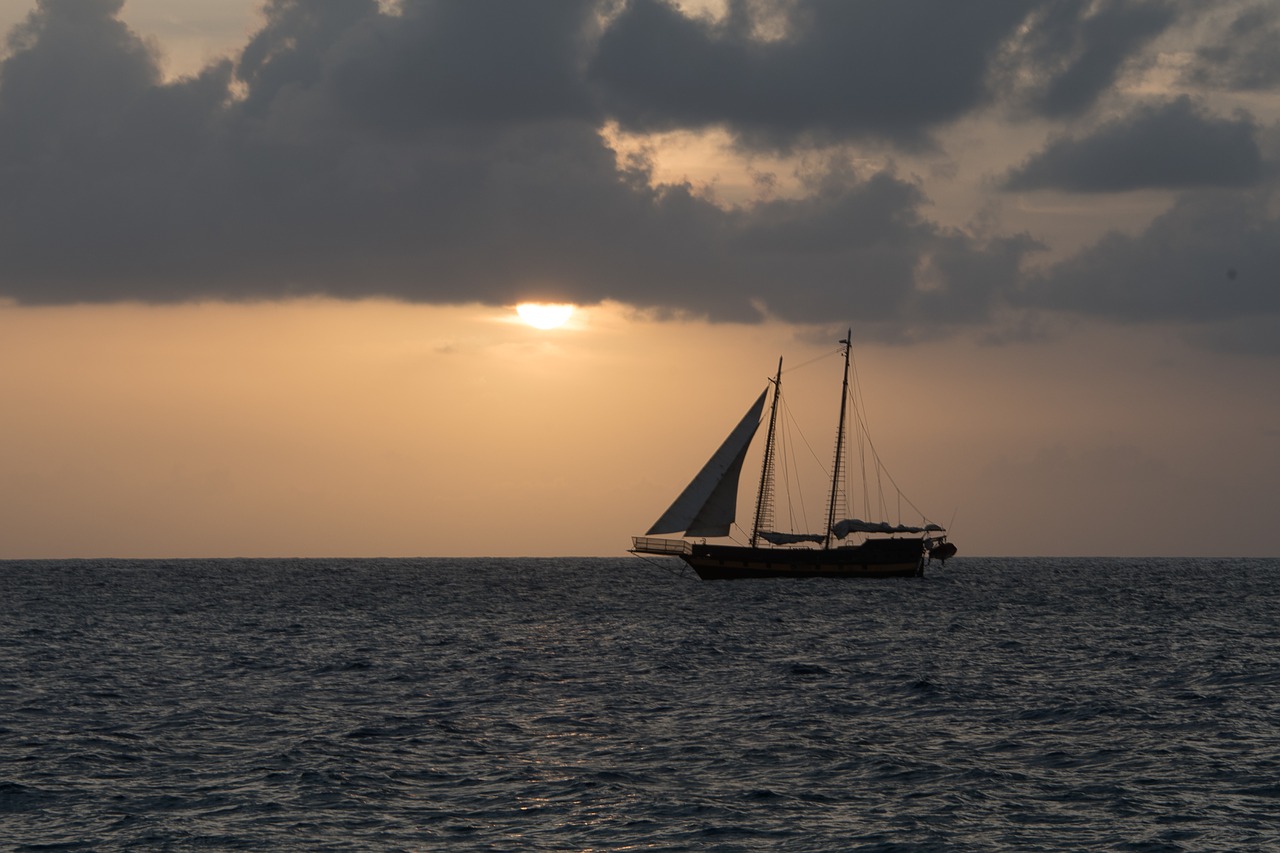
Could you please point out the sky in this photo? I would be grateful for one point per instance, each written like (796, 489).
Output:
(259, 266)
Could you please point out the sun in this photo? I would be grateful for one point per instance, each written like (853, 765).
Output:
(542, 315)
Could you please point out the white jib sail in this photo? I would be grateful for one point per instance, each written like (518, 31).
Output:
(708, 505)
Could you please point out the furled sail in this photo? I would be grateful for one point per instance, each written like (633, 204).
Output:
(856, 525)
(775, 538)
(707, 505)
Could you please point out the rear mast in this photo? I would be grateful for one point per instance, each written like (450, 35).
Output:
(838, 468)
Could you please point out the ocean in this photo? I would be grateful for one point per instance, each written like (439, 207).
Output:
(606, 704)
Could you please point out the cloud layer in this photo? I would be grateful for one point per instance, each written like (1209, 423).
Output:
(1160, 146)
(452, 152)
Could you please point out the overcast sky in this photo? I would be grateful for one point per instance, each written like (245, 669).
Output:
(998, 175)
(344, 149)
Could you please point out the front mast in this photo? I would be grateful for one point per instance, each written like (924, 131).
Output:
(838, 467)
(764, 497)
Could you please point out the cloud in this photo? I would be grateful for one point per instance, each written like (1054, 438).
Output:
(1213, 257)
(889, 69)
(432, 64)
(73, 70)
(1171, 145)
(443, 154)
(448, 152)
(894, 70)
(1209, 263)
(99, 159)
(1246, 57)
(1072, 51)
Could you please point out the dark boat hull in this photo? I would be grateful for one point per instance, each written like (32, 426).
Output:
(875, 558)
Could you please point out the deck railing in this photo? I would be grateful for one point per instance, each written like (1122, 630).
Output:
(669, 547)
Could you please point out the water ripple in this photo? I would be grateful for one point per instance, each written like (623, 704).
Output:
(602, 704)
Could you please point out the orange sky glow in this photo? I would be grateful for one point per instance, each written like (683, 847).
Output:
(327, 428)
(259, 271)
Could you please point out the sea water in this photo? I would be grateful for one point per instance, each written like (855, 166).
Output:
(599, 704)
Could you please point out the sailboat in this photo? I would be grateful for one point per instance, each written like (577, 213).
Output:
(708, 506)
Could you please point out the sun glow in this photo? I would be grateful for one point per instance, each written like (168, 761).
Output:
(544, 316)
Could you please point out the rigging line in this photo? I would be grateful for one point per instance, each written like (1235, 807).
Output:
(884, 509)
(839, 351)
(863, 442)
(799, 499)
(817, 459)
(788, 457)
(784, 450)
(781, 473)
(795, 499)
(805, 439)
(683, 572)
(876, 455)
(859, 401)
(857, 397)
(859, 411)
(792, 465)
(816, 358)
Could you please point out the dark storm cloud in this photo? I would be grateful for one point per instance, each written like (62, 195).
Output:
(434, 63)
(452, 152)
(447, 153)
(120, 187)
(1211, 262)
(1172, 145)
(99, 162)
(1073, 51)
(862, 246)
(883, 68)
(1246, 57)
(878, 69)
(1214, 256)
